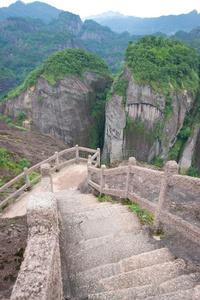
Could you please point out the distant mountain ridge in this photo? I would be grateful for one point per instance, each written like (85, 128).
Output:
(136, 25)
(35, 10)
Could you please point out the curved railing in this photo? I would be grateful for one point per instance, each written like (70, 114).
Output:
(167, 181)
(57, 161)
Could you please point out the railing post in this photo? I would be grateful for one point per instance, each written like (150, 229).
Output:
(89, 163)
(98, 157)
(77, 154)
(57, 161)
(103, 179)
(165, 195)
(46, 181)
(26, 173)
(131, 162)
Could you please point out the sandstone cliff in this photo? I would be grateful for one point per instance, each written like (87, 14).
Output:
(149, 128)
(63, 110)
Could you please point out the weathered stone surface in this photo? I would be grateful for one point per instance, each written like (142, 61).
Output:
(40, 273)
(115, 124)
(63, 110)
(188, 152)
(146, 106)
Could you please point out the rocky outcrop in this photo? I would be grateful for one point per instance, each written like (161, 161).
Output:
(93, 31)
(197, 154)
(63, 110)
(67, 21)
(114, 127)
(189, 150)
(149, 130)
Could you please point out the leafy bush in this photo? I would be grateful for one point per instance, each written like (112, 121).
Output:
(164, 63)
(21, 117)
(159, 162)
(192, 172)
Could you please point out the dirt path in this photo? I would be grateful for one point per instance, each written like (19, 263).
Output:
(68, 177)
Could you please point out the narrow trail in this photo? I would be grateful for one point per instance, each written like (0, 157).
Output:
(66, 178)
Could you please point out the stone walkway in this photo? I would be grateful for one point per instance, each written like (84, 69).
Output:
(66, 178)
(105, 253)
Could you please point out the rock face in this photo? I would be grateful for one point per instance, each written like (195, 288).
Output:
(197, 156)
(63, 110)
(147, 130)
(115, 124)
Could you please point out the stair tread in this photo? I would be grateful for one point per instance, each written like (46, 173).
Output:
(149, 275)
(188, 294)
(183, 282)
(124, 294)
(87, 279)
(111, 250)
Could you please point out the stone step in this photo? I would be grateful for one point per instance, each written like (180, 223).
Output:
(70, 203)
(184, 282)
(139, 261)
(84, 280)
(146, 292)
(101, 211)
(90, 254)
(141, 292)
(150, 275)
(146, 259)
(191, 294)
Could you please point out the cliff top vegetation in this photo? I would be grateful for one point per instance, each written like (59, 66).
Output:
(60, 64)
(164, 63)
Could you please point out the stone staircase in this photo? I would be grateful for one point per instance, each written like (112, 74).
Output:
(105, 254)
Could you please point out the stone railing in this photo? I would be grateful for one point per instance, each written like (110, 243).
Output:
(57, 161)
(168, 179)
(40, 273)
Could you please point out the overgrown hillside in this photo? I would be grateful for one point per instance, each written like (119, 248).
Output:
(29, 33)
(153, 113)
(65, 97)
(26, 43)
(165, 64)
(22, 148)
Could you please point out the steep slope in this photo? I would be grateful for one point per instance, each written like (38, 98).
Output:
(29, 147)
(153, 97)
(65, 97)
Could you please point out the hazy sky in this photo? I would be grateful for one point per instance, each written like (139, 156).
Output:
(141, 8)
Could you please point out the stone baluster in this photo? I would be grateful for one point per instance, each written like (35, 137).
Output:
(103, 179)
(166, 191)
(98, 157)
(46, 181)
(57, 161)
(77, 154)
(89, 163)
(131, 162)
(27, 178)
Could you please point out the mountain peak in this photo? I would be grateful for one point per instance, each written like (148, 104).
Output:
(106, 15)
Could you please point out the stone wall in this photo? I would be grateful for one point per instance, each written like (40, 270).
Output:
(40, 274)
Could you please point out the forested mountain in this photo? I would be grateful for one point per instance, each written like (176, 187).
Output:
(154, 109)
(191, 38)
(25, 43)
(35, 10)
(165, 24)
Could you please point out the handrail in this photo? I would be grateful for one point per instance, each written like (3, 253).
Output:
(168, 179)
(56, 166)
